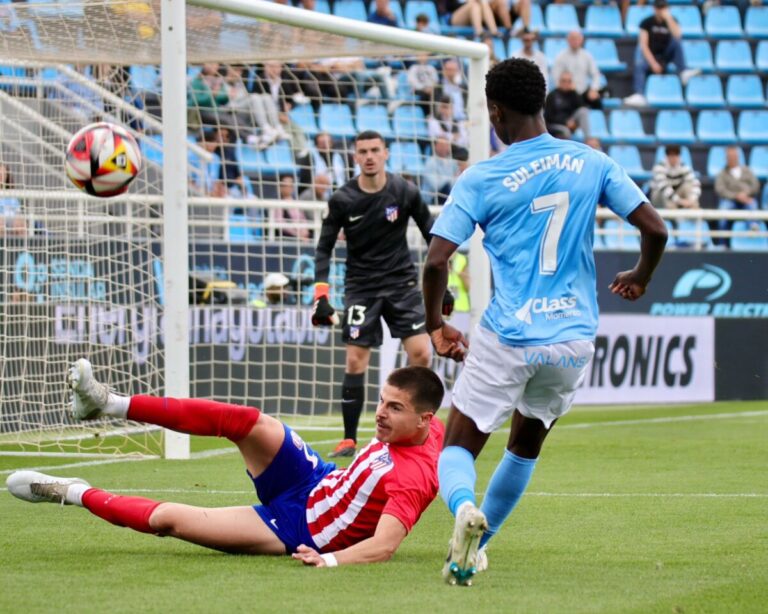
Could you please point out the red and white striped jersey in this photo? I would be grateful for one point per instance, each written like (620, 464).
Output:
(345, 507)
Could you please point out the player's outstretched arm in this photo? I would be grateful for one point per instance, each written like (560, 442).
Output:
(631, 284)
(390, 533)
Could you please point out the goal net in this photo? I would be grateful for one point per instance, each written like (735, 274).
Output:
(272, 100)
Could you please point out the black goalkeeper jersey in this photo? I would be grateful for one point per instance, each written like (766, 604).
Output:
(378, 259)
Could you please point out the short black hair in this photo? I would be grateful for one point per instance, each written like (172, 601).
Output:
(367, 135)
(518, 85)
(422, 384)
(673, 150)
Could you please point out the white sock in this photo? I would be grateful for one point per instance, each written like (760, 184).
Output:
(117, 406)
(75, 494)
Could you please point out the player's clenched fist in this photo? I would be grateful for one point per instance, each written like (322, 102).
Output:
(323, 314)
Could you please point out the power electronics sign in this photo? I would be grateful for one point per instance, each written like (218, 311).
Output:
(647, 359)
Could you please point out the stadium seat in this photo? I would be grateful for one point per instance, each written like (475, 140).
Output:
(351, 9)
(152, 148)
(756, 22)
(515, 44)
(553, 46)
(753, 127)
(144, 78)
(499, 49)
(417, 7)
(733, 56)
(561, 18)
(761, 56)
(620, 235)
(405, 156)
(240, 229)
(336, 119)
(374, 117)
(685, 155)
(409, 122)
(705, 91)
(278, 159)
(536, 22)
(698, 54)
(745, 91)
(628, 157)
(758, 161)
(251, 159)
(635, 15)
(397, 12)
(605, 53)
(599, 127)
(715, 127)
(750, 242)
(603, 20)
(716, 159)
(723, 22)
(675, 127)
(304, 116)
(689, 18)
(664, 91)
(625, 125)
(403, 89)
(694, 234)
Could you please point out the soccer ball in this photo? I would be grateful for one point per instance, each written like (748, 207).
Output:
(103, 159)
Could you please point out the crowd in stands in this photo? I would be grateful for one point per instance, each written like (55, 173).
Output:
(283, 130)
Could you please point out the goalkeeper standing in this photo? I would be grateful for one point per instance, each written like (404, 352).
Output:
(381, 279)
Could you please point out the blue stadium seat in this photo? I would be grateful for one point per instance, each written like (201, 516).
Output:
(621, 235)
(499, 49)
(605, 53)
(405, 156)
(404, 90)
(723, 22)
(715, 127)
(758, 161)
(689, 18)
(625, 125)
(336, 119)
(251, 159)
(278, 159)
(698, 54)
(240, 229)
(745, 91)
(351, 9)
(603, 20)
(749, 243)
(599, 127)
(561, 18)
(733, 56)
(705, 91)
(304, 116)
(628, 157)
(685, 155)
(761, 56)
(145, 78)
(753, 127)
(374, 117)
(515, 44)
(694, 234)
(756, 22)
(553, 46)
(716, 159)
(151, 146)
(396, 9)
(409, 122)
(664, 91)
(675, 127)
(416, 7)
(635, 15)
(536, 22)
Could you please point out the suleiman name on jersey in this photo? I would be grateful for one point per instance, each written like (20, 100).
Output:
(517, 178)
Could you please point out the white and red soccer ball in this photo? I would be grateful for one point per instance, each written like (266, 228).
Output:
(103, 159)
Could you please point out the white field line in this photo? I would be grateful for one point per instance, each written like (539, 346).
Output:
(221, 451)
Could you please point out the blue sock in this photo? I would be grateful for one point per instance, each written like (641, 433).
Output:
(507, 485)
(457, 476)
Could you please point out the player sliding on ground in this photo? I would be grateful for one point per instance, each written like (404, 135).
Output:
(536, 204)
(324, 516)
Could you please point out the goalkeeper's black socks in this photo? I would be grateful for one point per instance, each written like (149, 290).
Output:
(352, 401)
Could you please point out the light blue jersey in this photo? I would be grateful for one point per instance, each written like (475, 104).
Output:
(536, 203)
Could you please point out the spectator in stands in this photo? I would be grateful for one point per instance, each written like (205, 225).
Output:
(13, 223)
(423, 25)
(207, 98)
(565, 109)
(736, 186)
(327, 161)
(440, 172)
(625, 8)
(382, 14)
(473, 13)
(674, 185)
(452, 84)
(658, 44)
(529, 52)
(319, 191)
(424, 79)
(291, 219)
(230, 181)
(284, 86)
(442, 124)
(583, 68)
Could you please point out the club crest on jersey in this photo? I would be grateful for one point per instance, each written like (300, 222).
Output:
(381, 461)
(354, 332)
(297, 441)
(392, 212)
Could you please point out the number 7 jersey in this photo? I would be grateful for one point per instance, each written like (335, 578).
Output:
(536, 204)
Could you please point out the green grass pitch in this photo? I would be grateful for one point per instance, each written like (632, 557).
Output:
(655, 509)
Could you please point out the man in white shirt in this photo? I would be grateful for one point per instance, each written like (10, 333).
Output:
(583, 68)
(533, 54)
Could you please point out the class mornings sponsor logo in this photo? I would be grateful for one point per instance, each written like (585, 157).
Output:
(552, 308)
